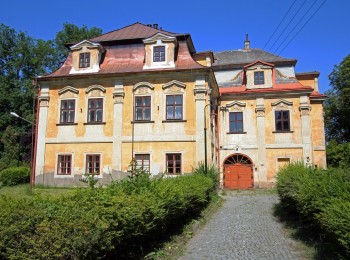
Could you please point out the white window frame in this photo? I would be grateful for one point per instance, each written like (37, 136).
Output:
(72, 165)
(182, 163)
(59, 110)
(134, 107)
(103, 111)
(101, 163)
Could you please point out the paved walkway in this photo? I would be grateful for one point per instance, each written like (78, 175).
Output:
(244, 228)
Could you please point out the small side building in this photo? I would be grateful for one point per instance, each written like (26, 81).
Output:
(268, 116)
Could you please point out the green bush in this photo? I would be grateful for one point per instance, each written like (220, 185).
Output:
(100, 222)
(320, 197)
(335, 219)
(15, 175)
(212, 172)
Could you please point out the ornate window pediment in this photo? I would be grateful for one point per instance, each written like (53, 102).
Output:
(95, 91)
(282, 104)
(236, 105)
(174, 86)
(68, 92)
(143, 88)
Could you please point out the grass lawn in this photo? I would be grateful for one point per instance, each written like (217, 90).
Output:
(23, 190)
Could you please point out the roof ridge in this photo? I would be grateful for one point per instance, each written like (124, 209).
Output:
(158, 30)
(117, 29)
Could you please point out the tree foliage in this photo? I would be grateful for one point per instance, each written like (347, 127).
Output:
(72, 34)
(337, 105)
(22, 58)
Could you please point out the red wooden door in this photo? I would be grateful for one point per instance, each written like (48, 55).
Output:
(238, 176)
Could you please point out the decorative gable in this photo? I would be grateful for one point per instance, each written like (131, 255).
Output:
(259, 75)
(86, 57)
(160, 51)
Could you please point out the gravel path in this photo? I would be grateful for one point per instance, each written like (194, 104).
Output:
(244, 228)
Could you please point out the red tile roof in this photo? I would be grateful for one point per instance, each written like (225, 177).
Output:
(133, 31)
(276, 88)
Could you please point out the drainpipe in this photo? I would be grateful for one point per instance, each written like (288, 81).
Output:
(205, 140)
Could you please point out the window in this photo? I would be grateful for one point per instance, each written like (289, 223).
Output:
(174, 107)
(67, 111)
(282, 120)
(95, 110)
(142, 162)
(282, 162)
(259, 78)
(158, 53)
(143, 108)
(84, 60)
(64, 166)
(173, 163)
(236, 122)
(93, 164)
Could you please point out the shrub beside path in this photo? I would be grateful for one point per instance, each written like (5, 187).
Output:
(244, 228)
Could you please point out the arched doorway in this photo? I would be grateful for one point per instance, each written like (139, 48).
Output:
(238, 172)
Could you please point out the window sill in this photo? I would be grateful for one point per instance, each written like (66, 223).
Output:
(64, 176)
(142, 121)
(174, 121)
(235, 133)
(282, 132)
(95, 123)
(60, 124)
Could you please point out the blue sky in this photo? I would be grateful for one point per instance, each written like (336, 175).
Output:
(214, 25)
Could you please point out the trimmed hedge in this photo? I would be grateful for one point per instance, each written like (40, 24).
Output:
(14, 175)
(321, 197)
(99, 222)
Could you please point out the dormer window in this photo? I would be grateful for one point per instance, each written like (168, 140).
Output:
(158, 53)
(259, 78)
(84, 60)
(259, 75)
(86, 57)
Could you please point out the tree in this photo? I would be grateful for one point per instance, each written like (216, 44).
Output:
(72, 34)
(21, 59)
(337, 105)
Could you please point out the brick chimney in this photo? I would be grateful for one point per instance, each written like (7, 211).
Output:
(246, 43)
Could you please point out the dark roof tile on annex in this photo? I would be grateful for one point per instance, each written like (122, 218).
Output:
(246, 57)
(134, 31)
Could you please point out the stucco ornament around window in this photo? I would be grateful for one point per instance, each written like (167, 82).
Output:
(143, 88)
(282, 104)
(68, 92)
(95, 91)
(174, 86)
(236, 106)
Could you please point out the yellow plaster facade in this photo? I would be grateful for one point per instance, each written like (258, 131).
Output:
(100, 118)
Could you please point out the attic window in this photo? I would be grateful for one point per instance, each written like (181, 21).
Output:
(158, 53)
(84, 60)
(259, 78)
